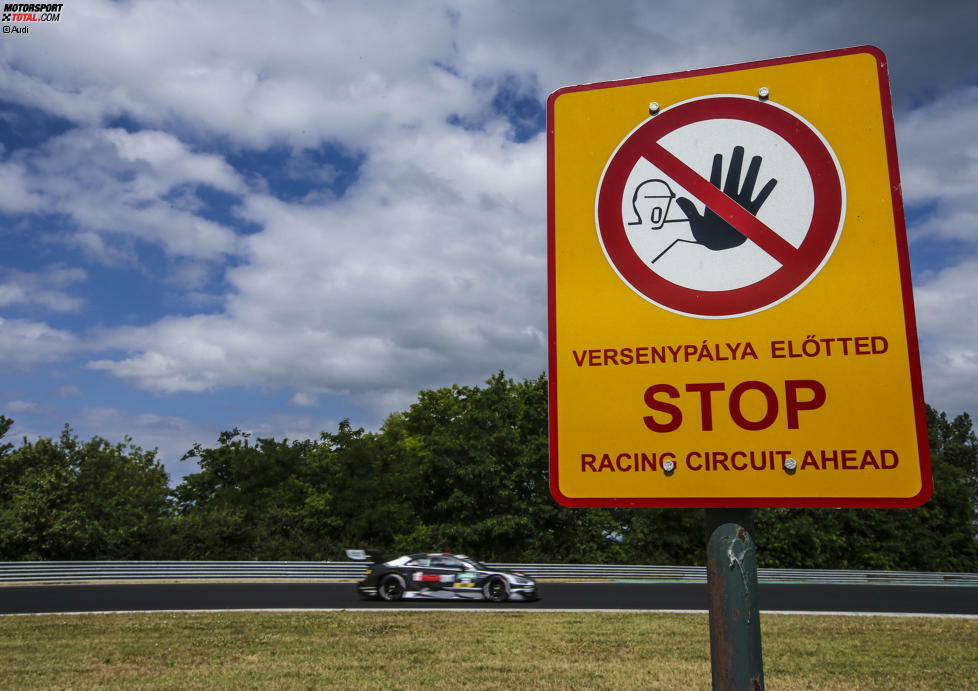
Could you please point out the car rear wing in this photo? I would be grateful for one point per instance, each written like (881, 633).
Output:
(363, 555)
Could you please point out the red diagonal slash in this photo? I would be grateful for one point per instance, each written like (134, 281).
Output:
(732, 212)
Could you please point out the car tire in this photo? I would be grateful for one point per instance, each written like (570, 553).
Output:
(496, 590)
(391, 588)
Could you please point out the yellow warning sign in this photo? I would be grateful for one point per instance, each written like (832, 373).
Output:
(731, 316)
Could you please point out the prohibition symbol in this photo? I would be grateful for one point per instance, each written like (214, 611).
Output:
(721, 206)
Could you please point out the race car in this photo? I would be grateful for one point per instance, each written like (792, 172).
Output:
(440, 576)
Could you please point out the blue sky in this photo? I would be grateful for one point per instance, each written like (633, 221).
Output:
(216, 215)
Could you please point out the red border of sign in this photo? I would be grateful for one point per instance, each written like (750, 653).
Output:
(907, 290)
(798, 266)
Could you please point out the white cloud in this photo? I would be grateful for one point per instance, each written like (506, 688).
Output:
(928, 46)
(115, 186)
(939, 164)
(15, 194)
(303, 399)
(431, 268)
(235, 68)
(945, 305)
(170, 161)
(45, 289)
(939, 167)
(26, 342)
(299, 72)
(20, 406)
(306, 72)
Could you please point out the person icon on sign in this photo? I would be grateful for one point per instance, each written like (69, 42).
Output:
(651, 203)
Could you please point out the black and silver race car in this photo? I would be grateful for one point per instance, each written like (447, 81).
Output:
(440, 576)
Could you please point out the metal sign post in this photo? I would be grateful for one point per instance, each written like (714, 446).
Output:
(735, 624)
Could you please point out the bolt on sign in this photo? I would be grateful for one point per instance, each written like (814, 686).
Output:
(731, 315)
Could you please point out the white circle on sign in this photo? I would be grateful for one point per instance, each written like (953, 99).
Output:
(731, 196)
(661, 235)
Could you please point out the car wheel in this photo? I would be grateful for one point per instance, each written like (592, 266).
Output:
(496, 590)
(391, 588)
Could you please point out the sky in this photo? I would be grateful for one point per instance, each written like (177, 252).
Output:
(274, 216)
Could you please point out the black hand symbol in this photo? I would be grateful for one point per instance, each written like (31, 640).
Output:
(711, 230)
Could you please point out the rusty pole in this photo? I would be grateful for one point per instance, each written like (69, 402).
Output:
(731, 575)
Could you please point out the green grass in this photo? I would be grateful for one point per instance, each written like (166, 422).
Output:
(455, 650)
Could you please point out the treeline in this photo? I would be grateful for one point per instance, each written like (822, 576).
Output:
(464, 469)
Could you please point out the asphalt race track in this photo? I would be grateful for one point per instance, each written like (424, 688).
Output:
(111, 597)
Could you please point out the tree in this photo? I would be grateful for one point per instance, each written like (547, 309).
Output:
(370, 487)
(948, 523)
(5, 424)
(483, 478)
(248, 501)
(70, 500)
(294, 500)
(663, 536)
(941, 535)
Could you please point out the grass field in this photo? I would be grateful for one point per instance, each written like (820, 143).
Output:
(478, 649)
